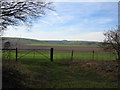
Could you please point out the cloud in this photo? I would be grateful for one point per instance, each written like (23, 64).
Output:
(61, 18)
(63, 33)
(89, 36)
(46, 22)
(84, 12)
(93, 21)
(104, 20)
(71, 21)
(57, 15)
(60, 35)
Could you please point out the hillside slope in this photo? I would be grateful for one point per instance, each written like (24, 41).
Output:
(33, 41)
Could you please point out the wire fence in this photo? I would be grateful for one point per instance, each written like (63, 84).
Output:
(94, 55)
(50, 54)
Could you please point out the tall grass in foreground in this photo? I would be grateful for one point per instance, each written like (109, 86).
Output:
(14, 74)
(62, 73)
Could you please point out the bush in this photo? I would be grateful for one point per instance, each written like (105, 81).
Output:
(12, 75)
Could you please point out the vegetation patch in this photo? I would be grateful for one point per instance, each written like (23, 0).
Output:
(69, 74)
(14, 74)
(61, 74)
(61, 45)
(59, 56)
(36, 71)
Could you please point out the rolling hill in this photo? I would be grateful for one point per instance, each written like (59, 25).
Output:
(57, 42)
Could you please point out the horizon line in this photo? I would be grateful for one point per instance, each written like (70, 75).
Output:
(52, 39)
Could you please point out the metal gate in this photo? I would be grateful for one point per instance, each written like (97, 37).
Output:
(31, 53)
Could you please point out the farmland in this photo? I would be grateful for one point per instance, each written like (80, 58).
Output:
(71, 44)
(61, 45)
(63, 52)
(85, 70)
(64, 56)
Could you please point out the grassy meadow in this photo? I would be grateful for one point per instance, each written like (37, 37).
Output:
(38, 72)
(58, 56)
(62, 74)
(42, 44)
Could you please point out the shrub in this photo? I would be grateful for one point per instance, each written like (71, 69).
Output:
(12, 75)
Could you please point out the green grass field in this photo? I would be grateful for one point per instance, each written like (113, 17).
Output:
(58, 56)
(57, 74)
(60, 45)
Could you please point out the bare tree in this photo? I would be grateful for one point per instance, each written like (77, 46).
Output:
(112, 41)
(21, 11)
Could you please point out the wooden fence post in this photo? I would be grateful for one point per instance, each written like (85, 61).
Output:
(51, 54)
(34, 53)
(93, 54)
(72, 55)
(16, 54)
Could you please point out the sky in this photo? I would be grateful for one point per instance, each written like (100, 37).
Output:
(79, 21)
